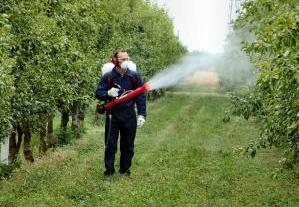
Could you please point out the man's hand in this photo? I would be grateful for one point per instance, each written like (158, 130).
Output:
(113, 92)
(140, 121)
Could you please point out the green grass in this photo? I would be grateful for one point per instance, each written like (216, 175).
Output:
(183, 157)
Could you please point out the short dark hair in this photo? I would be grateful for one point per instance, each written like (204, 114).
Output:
(118, 50)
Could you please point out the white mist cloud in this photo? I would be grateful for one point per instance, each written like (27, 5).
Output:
(233, 66)
(175, 74)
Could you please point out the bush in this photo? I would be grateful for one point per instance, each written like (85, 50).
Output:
(275, 51)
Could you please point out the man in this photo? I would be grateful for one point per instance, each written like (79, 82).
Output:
(121, 119)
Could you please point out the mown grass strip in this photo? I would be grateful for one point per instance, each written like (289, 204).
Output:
(184, 157)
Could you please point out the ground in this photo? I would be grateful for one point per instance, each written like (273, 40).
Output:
(185, 155)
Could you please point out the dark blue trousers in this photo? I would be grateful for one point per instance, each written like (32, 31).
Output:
(123, 122)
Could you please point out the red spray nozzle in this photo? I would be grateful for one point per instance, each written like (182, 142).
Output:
(128, 96)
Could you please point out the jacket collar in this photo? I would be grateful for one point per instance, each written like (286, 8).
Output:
(128, 72)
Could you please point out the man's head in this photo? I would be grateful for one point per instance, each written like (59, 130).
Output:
(120, 59)
(120, 56)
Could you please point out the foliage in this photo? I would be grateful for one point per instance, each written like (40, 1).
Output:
(60, 46)
(7, 170)
(6, 79)
(275, 52)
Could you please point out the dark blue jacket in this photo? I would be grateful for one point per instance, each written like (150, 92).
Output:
(126, 84)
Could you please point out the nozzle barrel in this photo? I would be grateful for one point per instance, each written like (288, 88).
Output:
(128, 96)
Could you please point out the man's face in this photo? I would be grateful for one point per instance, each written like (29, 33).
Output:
(122, 56)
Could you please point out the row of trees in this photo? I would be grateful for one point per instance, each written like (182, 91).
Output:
(275, 53)
(51, 55)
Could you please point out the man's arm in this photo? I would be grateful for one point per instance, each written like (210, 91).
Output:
(141, 99)
(101, 92)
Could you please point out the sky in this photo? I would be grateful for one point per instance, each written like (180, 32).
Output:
(201, 25)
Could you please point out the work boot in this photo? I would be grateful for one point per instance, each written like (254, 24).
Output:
(109, 172)
(125, 172)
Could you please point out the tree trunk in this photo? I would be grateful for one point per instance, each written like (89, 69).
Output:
(27, 145)
(42, 141)
(132, 5)
(75, 120)
(52, 140)
(12, 146)
(63, 127)
(75, 124)
(20, 138)
(81, 117)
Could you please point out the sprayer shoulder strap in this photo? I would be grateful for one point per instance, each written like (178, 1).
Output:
(110, 81)
(134, 81)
